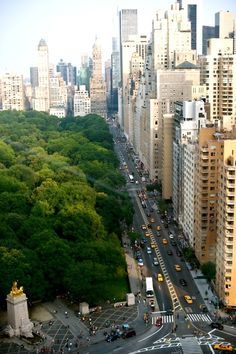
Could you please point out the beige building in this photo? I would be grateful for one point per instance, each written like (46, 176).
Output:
(97, 84)
(226, 220)
(58, 95)
(129, 65)
(82, 104)
(224, 24)
(12, 92)
(215, 208)
(218, 73)
(41, 100)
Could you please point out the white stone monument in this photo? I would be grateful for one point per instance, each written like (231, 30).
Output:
(17, 313)
(130, 299)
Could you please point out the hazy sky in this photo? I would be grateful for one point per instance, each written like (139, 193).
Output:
(70, 26)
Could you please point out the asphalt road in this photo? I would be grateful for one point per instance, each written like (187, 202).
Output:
(188, 317)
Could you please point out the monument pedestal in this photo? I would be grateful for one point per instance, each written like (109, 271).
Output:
(18, 316)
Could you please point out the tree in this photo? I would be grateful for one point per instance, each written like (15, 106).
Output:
(209, 270)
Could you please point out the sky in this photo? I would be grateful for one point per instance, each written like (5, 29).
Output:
(70, 27)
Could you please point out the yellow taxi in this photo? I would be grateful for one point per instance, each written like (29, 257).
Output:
(147, 234)
(153, 245)
(178, 268)
(158, 228)
(188, 299)
(165, 241)
(225, 347)
(160, 277)
(144, 227)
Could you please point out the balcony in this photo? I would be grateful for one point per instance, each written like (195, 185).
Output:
(230, 201)
(230, 184)
(230, 175)
(229, 218)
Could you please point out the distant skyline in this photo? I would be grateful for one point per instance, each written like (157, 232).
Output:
(70, 27)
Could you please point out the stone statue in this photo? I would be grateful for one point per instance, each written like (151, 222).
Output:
(15, 291)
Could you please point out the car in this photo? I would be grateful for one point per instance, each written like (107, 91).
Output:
(149, 250)
(148, 214)
(223, 347)
(140, 262)
(170, 253)
(160, 277)
(147, 234)
(203, 308)
(152, 220)
(153, 245)
(164, 241)
(173, 243)
(130, 333)
(159, 321)
(169, 312)
(171, 236)
(112, 337)
(158, 233)
(152, 304)
(158, 227)
(149, 226)
(155, 261)
(183, 282)
(188, 299)
(178, 268)
(217, 325)
(144, 227)
(138, 255)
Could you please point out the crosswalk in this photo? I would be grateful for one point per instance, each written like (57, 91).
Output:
(194, 317)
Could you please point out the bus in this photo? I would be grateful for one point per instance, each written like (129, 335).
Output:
(149, 287)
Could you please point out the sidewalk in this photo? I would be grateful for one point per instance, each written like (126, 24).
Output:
(210, 298)
(135, 279)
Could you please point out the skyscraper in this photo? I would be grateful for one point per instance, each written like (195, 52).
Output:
(97, 84)
(207, 33)
(68, 72)
(192, 16)
(41, 101)
(128, 25)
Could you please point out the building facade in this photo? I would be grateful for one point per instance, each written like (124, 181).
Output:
(97, 84)
(41, 100)
(12, 92)
(82, 103)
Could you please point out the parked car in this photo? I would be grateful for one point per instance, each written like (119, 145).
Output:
(169, 252)
(171, 236)
(129, 333)
(164, 241)
(140, 262)
(217, 325)
(149, 250)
